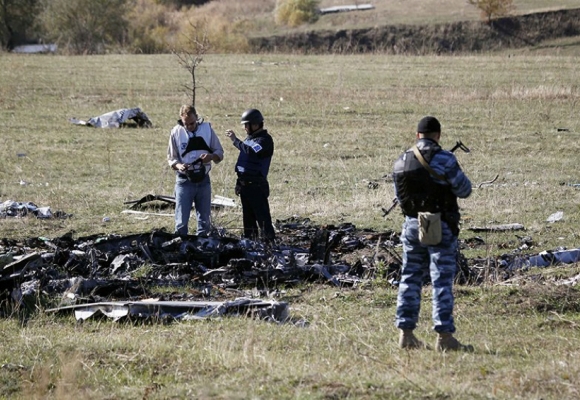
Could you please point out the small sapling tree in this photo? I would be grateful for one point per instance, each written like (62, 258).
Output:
(191, 54)
(493, 8)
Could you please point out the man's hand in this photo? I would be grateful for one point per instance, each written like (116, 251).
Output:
(231, 134)
(207, 158)
(181, 167)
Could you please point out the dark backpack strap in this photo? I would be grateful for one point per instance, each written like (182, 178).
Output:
(426, 165)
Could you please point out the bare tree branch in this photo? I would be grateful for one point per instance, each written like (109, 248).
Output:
(192, 53)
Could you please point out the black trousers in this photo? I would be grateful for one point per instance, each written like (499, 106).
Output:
(255, 209)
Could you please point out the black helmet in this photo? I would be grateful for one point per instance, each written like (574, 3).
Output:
(252, 116)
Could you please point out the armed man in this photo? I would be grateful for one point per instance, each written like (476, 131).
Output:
(428, 181)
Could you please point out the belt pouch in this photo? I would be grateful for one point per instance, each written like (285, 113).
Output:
(429, 228)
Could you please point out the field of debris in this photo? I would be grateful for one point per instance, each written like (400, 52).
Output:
(99, 299)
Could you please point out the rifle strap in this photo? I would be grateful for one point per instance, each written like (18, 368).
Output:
(426, 165)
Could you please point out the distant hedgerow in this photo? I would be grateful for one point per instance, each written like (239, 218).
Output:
(296, 12)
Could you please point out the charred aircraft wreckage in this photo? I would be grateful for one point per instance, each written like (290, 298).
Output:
(200, 277)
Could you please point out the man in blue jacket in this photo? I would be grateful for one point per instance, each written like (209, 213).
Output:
(428, 181)
(252, 168)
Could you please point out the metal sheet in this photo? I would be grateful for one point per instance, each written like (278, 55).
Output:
(264, 309)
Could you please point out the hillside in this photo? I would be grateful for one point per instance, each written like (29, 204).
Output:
(384, 13)
(452, 37)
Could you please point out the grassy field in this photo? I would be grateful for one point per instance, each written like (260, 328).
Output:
(338, 122)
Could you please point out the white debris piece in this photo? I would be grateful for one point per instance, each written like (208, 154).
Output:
(355, 7)
(557, 216)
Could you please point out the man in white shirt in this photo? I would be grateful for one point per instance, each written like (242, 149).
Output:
(193, 145)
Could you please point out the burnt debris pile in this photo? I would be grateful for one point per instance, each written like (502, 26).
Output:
(67, 270)
(113, 267)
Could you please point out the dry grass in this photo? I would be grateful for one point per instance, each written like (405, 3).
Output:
(338, 122)
(347, 351)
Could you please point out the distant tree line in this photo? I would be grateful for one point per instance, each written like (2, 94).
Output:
(92, 26)
(17, 21)
(141, 26)
(156, 26)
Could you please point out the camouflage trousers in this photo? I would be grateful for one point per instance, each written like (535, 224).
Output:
(440, 262)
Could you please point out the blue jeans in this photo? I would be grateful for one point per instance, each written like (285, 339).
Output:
(198, 194)
(440, 262)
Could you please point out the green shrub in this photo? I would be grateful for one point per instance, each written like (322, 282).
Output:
(84, 26)
(296, 12)
(17, 22)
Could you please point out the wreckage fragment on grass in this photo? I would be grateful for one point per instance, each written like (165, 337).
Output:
(497, 228)
(270, 310)
(124, 117)
(10, 208)
(163, 202)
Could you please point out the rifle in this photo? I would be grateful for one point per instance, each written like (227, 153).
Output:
(458, 145)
